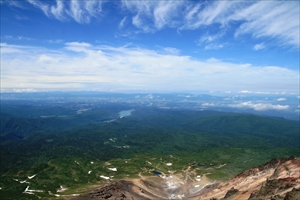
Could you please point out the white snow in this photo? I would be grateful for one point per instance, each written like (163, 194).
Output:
(24, 181)
(112, 169)
(89, 172)
(30, 177)
(31, 191)
(61, 189)
(197, 186)
(92, 162)
(105, 177)
(169, 164)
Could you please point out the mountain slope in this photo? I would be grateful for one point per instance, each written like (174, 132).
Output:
(277, 179)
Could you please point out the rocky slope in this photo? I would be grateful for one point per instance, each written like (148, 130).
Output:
(277, 179)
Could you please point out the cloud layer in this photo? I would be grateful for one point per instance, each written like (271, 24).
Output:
(86, 66)
(259, 106)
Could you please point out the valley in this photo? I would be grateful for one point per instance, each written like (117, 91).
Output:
(166, 153)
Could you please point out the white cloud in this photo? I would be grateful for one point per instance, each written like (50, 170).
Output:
(281, 99)
(87, 66)
(259, 106)
(259, 46)
(208, 104)
(78, 46)
(58, 10)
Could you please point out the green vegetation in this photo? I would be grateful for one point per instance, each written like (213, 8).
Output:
(74, 151)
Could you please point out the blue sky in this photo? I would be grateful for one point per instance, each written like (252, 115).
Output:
(161, 46)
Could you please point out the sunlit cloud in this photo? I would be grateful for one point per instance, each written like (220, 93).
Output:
(85, 66)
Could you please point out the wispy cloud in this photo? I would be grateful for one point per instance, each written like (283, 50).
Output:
(259, 46)
(57, 41)
(171, 50)
(275, 20)
(213, 46)
(80, 11)
(9, 37)
(78, 64)
(210, 41)
(18, 4)
(122, 22)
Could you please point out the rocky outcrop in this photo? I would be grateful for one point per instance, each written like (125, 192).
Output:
(278, 179)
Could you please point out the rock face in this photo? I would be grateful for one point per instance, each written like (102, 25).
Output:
(119, 190)
(278, 179)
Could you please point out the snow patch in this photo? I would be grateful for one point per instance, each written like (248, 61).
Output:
(105, 177)
(31, 191)
(61, 189)
(30, 177)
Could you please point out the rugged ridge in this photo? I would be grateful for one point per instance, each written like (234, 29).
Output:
(277, 179)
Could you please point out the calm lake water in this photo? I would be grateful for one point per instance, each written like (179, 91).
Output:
(125, 113)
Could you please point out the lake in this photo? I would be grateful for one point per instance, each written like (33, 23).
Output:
(125, 113)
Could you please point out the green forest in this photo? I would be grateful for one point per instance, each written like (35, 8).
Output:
(60, 146)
